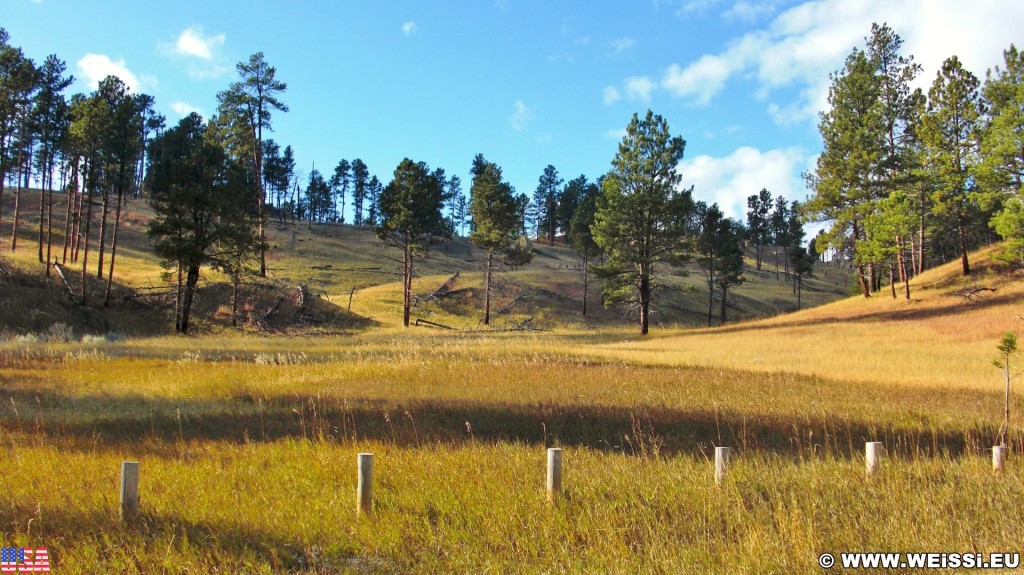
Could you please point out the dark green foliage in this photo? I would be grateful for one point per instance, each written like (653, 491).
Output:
(200, 198)
(643, 218)
(497, 218)
(719, 254)
(411, 217)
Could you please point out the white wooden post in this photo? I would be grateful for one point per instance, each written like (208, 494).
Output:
(129, 489)
(998, 458)
(721, 464)
(554, 472)
(872, 454)
(364, 490)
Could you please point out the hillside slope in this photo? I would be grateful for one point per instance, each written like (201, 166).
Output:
(942, 336)
(355, 279)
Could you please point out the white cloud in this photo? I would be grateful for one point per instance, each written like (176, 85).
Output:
(700, 80)
(192, 42)
(639, 88)
(616, 134)
(203, 53)
(728, 181)
(409, 28)
(522, 115)
(749, 11)
(183, 109)
(806, 42)
(621, 45)
(610, 95)
(96, 67)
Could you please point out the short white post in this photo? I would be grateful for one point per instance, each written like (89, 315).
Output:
(364, 490)
(872, 453)
(998, 458)
(721, 464)
(129, 489)
(554, 472)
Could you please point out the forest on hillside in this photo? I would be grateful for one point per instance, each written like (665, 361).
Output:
(907, 179)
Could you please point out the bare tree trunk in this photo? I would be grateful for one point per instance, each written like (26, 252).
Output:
(586, 282)
(892, 279)
(46, 182)
(190, 289)
(487, 289)
(103, 231)
(920, 239)
(234, 298)
(645, 302)
(962, 232)
(85, 256)
(17, 211)
(406, 283)
(725, 293)
(113, 246)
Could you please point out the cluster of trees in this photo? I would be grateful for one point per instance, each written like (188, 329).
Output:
(213, 186)
(93, 144)
(909, 180)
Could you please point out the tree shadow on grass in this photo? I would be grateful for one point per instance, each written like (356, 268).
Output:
(162, 426)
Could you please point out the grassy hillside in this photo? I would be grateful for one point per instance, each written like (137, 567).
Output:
(247, 443)
(336, 263)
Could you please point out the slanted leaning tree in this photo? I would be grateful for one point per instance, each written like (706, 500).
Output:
(411, 218)
(642, 220)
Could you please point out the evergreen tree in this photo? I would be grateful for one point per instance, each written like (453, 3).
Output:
(642, 219)
(340, 182)
(949, 133)
(200, 198)
(249, 103)
(360, 178)
(759, 207)
(496, 218)
(582, 236)
(411, 218)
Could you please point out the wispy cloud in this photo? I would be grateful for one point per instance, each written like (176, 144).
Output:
(183, 109)
(611, 95)
(96, 67)
(621, 45)
(192, 42)
(409, 28)
(615, 134)
(203, 53)
(521, 117)
(640, 88)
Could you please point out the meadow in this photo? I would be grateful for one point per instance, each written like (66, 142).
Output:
(247, 441)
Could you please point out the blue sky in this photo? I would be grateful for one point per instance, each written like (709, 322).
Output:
(525, 83)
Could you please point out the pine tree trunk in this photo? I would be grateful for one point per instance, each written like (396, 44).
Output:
(191, 281)
(103, 232)
(892, 279)
(113, 247)
(920, 238)
(586, 282)
(725, 293)
(85, 256)
(17, 212)
(406, 283)
(645, 302)
(45, 179)
(962, 232)
(487, 289)
(177, 301)
(234, 297)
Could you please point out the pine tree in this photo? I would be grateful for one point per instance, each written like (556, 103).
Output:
(496, 218)
(642, 219)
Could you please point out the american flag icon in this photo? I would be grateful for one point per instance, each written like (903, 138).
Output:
(24, 560)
